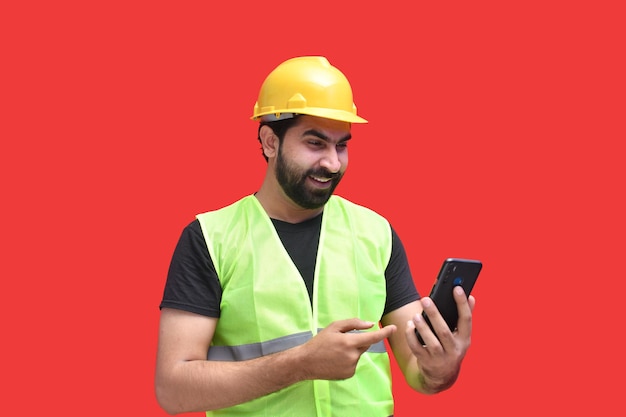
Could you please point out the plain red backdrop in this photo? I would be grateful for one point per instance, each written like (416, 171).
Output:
(496, 132)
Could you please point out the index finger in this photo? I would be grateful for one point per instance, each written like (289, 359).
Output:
(366, 339)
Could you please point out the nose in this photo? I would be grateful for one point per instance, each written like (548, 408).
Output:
(331, 160)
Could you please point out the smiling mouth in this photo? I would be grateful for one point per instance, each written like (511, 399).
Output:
(320, 179)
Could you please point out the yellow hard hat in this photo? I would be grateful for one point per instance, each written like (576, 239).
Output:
(306, 85)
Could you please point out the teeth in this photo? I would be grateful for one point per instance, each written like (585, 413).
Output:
(321, 179)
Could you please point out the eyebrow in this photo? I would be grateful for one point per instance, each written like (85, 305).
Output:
(320, 135)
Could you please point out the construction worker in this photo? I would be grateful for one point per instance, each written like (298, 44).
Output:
(280, 303)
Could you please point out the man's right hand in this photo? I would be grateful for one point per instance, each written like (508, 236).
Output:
(335, 351)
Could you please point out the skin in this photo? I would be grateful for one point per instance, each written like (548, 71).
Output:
(313, 156)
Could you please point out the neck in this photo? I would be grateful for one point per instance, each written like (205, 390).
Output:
(280, 207)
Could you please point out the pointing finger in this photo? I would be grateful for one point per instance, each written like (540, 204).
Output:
(366, 339)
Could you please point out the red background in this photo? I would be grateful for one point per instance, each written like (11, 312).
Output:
(496, 132)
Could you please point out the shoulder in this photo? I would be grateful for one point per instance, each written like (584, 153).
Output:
(348, 205)
(242, 204)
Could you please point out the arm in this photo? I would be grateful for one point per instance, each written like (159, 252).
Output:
(186, 381)
(434, 368)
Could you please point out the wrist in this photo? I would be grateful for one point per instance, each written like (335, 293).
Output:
(432, 385)
(299, 364)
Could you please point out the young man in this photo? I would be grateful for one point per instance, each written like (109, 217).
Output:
(272, 304)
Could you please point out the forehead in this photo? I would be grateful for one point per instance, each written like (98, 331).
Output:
(333, 129)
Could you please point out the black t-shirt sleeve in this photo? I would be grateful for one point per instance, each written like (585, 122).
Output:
(192, 282)
(400, 286)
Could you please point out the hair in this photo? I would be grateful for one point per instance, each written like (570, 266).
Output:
(279, 127)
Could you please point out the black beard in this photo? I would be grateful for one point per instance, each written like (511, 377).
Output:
(293, 184)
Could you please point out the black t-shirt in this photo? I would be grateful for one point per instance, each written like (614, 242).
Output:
(193, 285)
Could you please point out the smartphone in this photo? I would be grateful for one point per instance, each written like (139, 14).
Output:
(453, 272)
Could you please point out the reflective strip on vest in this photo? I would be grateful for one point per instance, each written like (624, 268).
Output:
(256, 350)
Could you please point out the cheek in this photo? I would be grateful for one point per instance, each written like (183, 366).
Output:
(344, 161)
(297, 162)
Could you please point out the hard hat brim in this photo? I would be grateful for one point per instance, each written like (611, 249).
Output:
(333, 114)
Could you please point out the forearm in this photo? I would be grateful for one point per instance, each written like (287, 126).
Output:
(201, 385)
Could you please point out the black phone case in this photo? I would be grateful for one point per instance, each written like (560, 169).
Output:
(453, 272)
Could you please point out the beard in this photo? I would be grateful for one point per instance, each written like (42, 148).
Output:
(293, 182)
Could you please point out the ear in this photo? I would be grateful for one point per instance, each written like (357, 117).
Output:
(269, 141)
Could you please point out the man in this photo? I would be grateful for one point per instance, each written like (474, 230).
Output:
(272, 304)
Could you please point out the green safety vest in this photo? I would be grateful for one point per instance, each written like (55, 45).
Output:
(265, 305)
